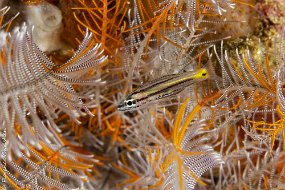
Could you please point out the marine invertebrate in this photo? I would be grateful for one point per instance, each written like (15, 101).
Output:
(189, 156)
(160, 21)
(3, 11)
(34, 92)
(177, 151)
(227, 133)
(46, 20)
(249, 99)
(104, 19)
(45, 168)
(38, 71)
(249, 91)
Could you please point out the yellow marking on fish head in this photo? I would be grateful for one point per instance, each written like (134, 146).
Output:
(201, 74)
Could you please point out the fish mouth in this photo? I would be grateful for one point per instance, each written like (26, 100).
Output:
(121, 107)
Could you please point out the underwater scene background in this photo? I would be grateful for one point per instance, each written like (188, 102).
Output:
(66, 65)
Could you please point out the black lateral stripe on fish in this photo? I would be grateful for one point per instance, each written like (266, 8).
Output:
(154, 82)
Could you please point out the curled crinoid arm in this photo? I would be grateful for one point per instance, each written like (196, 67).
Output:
(33, 72)
(35, 91)
(46, 168)
(247, 84)
(251, 97)
(190, 155)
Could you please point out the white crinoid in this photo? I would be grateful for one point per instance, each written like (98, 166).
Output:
(33, 92)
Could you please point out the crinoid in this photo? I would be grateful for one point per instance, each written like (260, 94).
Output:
(3, 11)
(190, 155)
(250, 97)
(104, 19)
(59, 123)
(34, 92)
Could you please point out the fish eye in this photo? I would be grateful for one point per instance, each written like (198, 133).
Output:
(129, 103)
(204, 74)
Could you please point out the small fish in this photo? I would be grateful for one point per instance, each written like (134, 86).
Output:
(164, 87)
